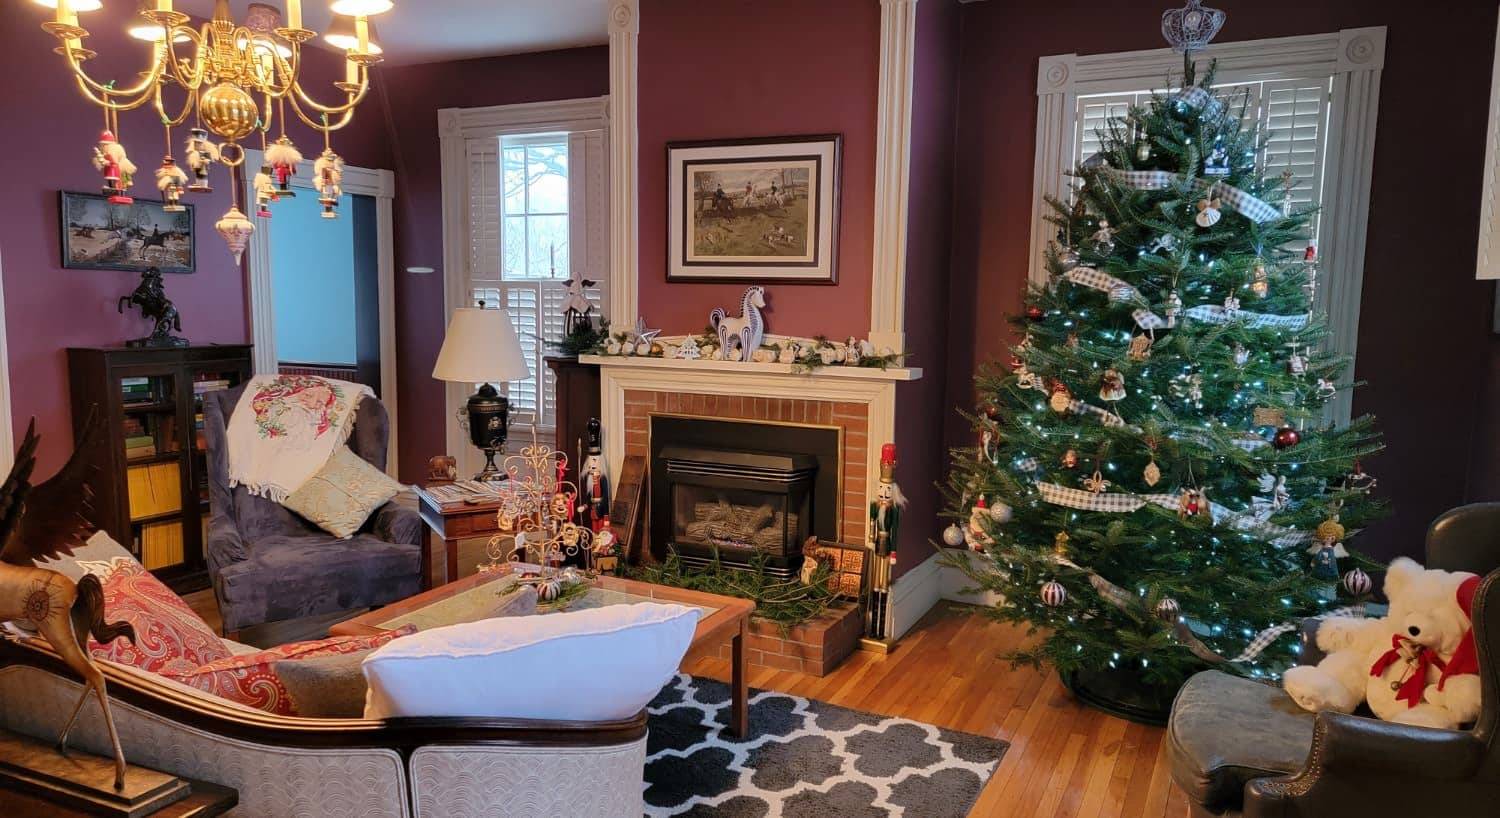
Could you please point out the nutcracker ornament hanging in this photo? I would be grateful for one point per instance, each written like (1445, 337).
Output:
(884, 525)
(116, 168)
(284, 158)
(200, 155)
(328, 172)
(171, 181)
(265, 192)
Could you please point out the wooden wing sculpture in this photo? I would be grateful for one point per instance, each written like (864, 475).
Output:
(43, 522)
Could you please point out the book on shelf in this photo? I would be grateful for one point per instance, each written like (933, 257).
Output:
(214, 385)
(154, 489)
(161, 544)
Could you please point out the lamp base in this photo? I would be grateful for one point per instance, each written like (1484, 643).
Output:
(491, 473)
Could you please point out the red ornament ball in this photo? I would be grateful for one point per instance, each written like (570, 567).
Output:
(1053, 593)
(1034, 313)
(1286, 437)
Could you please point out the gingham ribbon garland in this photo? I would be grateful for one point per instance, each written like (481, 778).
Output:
(1253, 208)
(1264, 639)
(1125, 503)
(1119, 290)
(1196, 97)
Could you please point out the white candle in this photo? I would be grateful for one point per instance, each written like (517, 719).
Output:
(163, 5)
(65, 13)
(362, 32)
(294, 13)
(351, 72)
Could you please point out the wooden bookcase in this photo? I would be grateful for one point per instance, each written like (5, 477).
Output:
(152, 493)
(578, 401)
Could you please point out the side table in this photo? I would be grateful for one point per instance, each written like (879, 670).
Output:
(452, 522)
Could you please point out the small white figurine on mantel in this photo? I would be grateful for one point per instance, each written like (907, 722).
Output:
(740, 337)
(828, 355)
(689, 350)
(852, 352)
(788, 352)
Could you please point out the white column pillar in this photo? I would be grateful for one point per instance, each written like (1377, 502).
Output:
(898, 28)
(624, 200)
(1054, 152)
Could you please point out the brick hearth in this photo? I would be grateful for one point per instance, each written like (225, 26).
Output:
(815, 647)
(852, 418)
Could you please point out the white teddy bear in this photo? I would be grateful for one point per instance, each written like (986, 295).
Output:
(1417, 665)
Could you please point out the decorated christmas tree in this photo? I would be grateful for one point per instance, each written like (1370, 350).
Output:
(1159, 486)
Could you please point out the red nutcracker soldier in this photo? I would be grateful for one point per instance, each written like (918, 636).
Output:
(284, 158)
(111, 162)
(885, 523)
(595, 483)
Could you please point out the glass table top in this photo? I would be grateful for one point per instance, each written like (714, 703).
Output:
(489, 599)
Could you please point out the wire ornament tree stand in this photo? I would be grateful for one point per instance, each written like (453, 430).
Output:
(537, 527)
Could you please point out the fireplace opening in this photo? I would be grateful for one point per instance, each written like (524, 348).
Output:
(741, 490)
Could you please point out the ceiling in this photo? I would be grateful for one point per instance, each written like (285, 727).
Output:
(418, 31)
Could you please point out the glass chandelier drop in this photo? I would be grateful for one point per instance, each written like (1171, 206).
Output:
(239, 80)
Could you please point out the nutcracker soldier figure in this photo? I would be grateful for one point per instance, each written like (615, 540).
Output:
(201, 154)
(116, 168)
(595, 483)
(265, 192)
(170, 180)
(284, 158)
(328, 172)
(885, 523)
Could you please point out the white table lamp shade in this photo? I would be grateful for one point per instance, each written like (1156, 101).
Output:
(481, 347)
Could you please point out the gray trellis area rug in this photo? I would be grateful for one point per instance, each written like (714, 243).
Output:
(804, 759)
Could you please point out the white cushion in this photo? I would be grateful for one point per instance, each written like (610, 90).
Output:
(598, 664)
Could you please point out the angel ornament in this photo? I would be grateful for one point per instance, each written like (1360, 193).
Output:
(1277, 497)
(1208, 210)
(44, 522)
(1112, 386)
(1104, 238)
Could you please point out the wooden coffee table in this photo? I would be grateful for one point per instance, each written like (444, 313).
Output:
(471, 599)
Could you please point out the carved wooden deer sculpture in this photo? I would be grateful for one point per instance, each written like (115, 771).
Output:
(43, 522)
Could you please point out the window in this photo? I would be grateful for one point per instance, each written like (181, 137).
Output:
(1315, 96)
(1291, 113)
(534, 219)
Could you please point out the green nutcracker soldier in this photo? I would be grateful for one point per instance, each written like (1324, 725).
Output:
(885, 523)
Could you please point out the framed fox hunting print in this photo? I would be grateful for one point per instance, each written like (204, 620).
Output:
(754, 210)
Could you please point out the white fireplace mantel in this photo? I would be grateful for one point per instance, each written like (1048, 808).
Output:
(857, 373)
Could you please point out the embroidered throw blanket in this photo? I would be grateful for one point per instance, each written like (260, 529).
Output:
(285, 428)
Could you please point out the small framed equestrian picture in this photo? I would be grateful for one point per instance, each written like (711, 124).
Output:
(754, 210)
(98, 234)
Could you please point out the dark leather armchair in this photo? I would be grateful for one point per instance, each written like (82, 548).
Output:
(270, 565)
(1240, 748)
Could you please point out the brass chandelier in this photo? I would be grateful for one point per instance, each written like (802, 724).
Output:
(239, 79)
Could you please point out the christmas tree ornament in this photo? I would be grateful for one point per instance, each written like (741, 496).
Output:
(1167, 609)
(1096, 483)
(1263, 416)
(1152, 473)
(1173, 308)
(548, 590)
(1166, 241)
(1060, 545)
(1286, 192)
(1326, 389)
(1034, 313)
(1142, 150)
(116, 168)
(1241, 355)
(265, 192)
(284, 158)
(1188, 386)
(1072, 342)
(1192, 27)
(1053, 593)
(1140, 348)
(1276, 497)
(1192, 503)
(987, 447)
(1000, 512)
(1357, 583)
(977, 537)
(1208, 212)
(1231, 305)
(1104, 239)
(236, 230)
(1260, 281)
(1112, 385)
(171, 181)
(328, 173)
(1026, 379)
(1061, 398)
(1286, 437)
(1217, 163)
(1295, 363)
(1358, 480)
(953, 536)
(1070, 459)
(200, 155)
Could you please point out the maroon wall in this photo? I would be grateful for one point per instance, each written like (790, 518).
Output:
(414, 94)
(747, 68)
(45, 146)
(1424, 348)
(929, 236)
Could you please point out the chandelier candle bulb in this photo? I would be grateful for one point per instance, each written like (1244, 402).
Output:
(351, 72)
(293, 13)
(362, 34)
(65, 14)
(163, 5)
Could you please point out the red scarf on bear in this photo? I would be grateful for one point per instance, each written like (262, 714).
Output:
(1466, 656)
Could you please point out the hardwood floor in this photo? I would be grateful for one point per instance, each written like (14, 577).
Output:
(1064, 760)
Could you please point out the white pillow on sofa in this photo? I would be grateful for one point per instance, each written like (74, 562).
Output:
(598, 664)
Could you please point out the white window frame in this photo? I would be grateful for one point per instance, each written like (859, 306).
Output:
(456, 127)
(1351, 58)
(1488, 267)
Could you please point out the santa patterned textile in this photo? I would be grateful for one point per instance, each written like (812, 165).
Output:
(251, 679)
(169, 636)
(285, 427)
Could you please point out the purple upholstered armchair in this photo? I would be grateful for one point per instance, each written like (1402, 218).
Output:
(269, 565)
